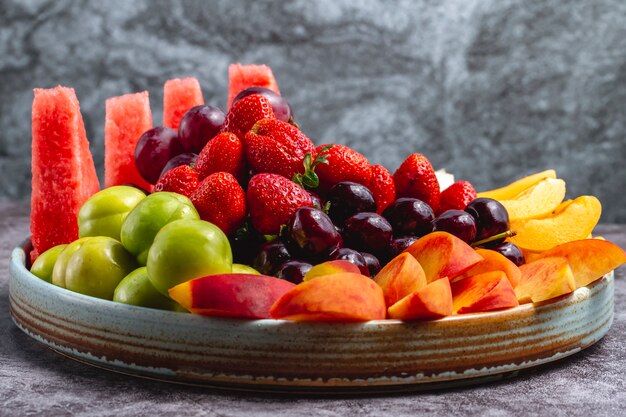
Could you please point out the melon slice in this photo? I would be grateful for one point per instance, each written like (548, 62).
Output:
(63, 173)
(127, 118)
(241, 77)
(179, 95)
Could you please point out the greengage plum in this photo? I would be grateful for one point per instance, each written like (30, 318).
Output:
(244, 269)
(44, 264)
(136, 289)
(58, 272)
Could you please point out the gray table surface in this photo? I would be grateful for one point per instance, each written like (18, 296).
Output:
(37, 381)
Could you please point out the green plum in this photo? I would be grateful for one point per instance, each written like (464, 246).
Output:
(44, 264)
(136, 289)
(244, 269)
(149, 216)
(58, 272)
(106, 210)
(187, 249)
(97, 267)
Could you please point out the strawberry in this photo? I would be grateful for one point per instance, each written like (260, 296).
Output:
(382, 187)
(456, 197)
(245, 113)
(220, 200)
(272, 200)
(344, 164)
(416, 178)
(182, 180)
(223, 153)
(277, 147)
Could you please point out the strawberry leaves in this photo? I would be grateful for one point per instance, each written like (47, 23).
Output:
(309, 179)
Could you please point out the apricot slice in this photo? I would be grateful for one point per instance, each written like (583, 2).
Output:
(331, 267)
(539, 200)
(443, 255)
(544, 279)
(337, 297)
(400, 277)
(493, 261)
(433, 301)
(589, 259)
(247, 296)
(512, 190)
(572, 220)
(483, 292)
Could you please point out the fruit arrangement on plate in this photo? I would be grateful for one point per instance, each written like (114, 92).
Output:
(239, 214)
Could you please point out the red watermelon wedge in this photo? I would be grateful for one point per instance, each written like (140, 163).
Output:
(127, 117)
(179, 95)
(63, 173)
(241, 77)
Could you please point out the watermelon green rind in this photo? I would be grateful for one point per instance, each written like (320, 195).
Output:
(242, 76)
(179, 95)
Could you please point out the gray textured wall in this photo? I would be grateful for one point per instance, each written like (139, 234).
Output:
(489, 89)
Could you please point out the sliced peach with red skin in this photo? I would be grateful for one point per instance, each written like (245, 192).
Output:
(338, 297)
(483, 292)
(493, 261)
(443, 255)
(331, 267)
(544, 279)
(590, 259)
(402, 276)
(431, 302)
(231, 295)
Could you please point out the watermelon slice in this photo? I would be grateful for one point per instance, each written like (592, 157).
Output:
(241, 77)
(63, 173)
(127, 117)
(179, 95)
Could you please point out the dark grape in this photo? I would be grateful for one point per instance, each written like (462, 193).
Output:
(270, 257)
(178, 160)
(154, 149)
(457, 222)
(317, 201)
(293, 271)
(280, 106)
(199, 125)
(311, 234)
(348, 198)
(398, 245)
(491, 218)
(245, 243)
(367, 232)
(410, 217)
(351, 256)
(511, 251)
(372, 262)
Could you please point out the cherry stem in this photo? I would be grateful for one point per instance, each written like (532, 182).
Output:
(503, 235)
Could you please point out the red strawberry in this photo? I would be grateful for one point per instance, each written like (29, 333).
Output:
(416, 178)
(220, 200)
(456, 197)
(344, 164)
(272, 200)
(383, 187)
(223, 153)
(245, 113)
(277, 147)
(182, 180)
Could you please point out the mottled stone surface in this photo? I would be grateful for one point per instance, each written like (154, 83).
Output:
(490, 89)
(37, 381)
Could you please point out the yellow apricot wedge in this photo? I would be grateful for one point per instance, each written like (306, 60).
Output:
(512, 190)
(539, 200)
(544, 279)
(572, 220)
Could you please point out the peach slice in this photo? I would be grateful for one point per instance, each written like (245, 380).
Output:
(337, 297)
(589, 259)
(443, 255)
(483, 292)
(493, 261)
(572, 220)
(539, 200)
(434, 301)
(400, 277)
(247, 296)
(331, 267)
(512, 190)
(544, 279)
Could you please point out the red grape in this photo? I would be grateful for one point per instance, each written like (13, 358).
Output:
(154, 149)
(199, 125)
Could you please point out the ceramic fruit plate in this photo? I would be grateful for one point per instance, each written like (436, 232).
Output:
(282, 356)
